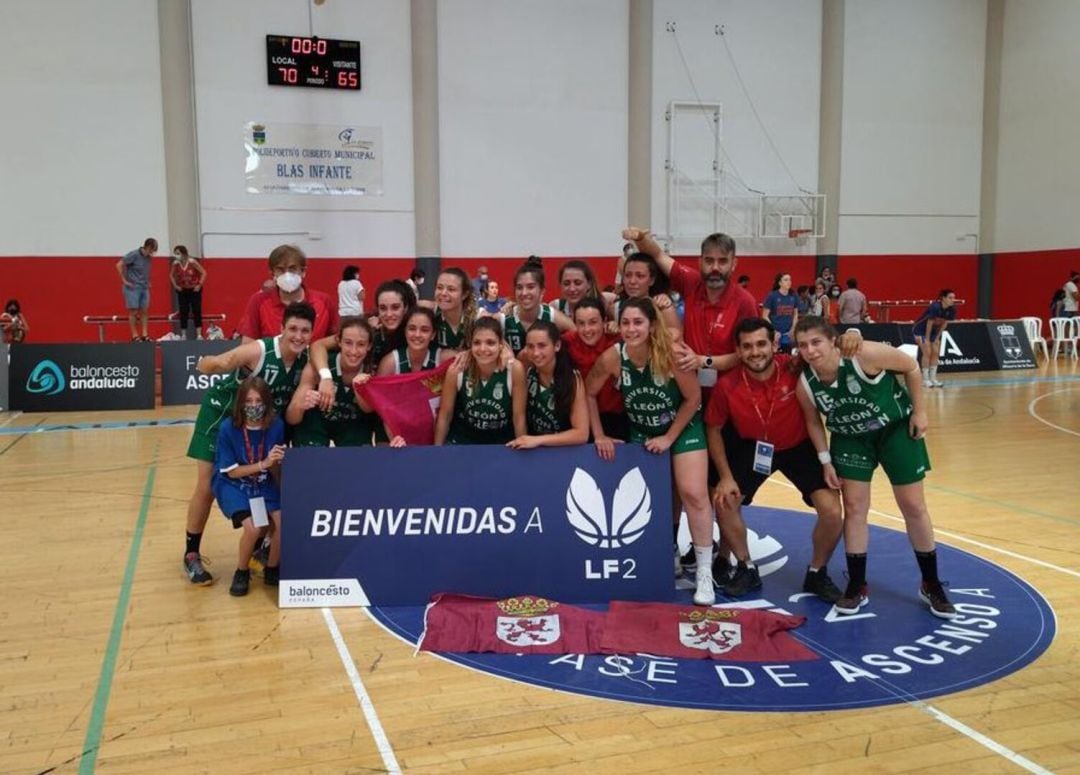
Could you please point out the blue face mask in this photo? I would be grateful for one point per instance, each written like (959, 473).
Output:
(254, 412)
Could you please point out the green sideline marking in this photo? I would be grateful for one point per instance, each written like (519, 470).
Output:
(108, 666)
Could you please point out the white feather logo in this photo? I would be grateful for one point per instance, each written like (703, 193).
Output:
(587, 514)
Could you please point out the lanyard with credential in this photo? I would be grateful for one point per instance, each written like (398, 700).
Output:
(251, 459)
(772, 400)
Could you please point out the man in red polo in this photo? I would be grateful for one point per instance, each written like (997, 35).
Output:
(714, 304)
(262, 316)
(754, 426)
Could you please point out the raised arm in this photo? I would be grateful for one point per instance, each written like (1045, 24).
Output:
(245, 355)
(645, 243)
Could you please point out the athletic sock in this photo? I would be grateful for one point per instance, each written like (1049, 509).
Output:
(194, 540)
(856, 569)
(933, 373)
(926, 375)
(703, 554)
(928, 566)
(812, 569)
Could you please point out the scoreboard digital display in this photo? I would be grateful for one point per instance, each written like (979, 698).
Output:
(315, 62)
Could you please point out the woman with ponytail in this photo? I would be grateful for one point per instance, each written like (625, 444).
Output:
(663, 406)
(529, 305)
(556, 414)
(642, 279)
(455, 308)
(577, 281)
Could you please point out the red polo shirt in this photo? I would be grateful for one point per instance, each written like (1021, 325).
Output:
(584, 358)
(760, 410)
(708, 327)
(265, 309)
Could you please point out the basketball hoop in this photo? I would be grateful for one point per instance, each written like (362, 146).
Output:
(800, 236)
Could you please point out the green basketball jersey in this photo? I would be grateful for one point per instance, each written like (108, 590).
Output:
(540, 411)
(514, 330)
(446, 336)
(271, 367)
(483, 414)
(345, 408)
(563, 306)
(651, 404)
(856, 404)
(403, 366)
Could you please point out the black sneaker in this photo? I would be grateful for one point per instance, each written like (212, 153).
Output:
(819, 584)
(933, 594)
(241, 580)
(272, 576)
(742, 581)
(196, 573)
(722, 570)
(259, 558)
(689, 561)
(854, 598)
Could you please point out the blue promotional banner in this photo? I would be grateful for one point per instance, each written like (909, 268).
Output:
(381, 526)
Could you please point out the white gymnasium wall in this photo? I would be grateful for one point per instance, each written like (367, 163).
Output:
(912, 126)
(532, 123)
(82, 128)
(231, 90)
(1038, 160)
(776, 46)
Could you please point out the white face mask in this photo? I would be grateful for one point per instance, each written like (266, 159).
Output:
(289, 281)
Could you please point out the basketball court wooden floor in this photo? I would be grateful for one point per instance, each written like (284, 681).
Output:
(110, 660)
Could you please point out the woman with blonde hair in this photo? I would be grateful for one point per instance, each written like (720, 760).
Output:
(663, 406)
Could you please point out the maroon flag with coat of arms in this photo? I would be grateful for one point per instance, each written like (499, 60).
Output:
(691, 632)
(407, 403)
(525, 624)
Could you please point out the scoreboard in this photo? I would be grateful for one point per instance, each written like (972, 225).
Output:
(315, 62)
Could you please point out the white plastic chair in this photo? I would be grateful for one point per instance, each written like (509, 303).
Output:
(1064, 331)
(1033, 327)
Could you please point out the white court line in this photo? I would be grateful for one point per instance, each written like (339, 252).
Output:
(958, 537)
(1033, 413)
(981, 739)
(944, 718)
(377, 732)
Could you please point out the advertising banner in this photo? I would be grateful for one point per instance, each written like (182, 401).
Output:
(380, 526)
(312, 159)
(181, 382)
(73, 377)
(1010, 343)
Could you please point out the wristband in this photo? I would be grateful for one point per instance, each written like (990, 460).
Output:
(824, 457)
(324, 373)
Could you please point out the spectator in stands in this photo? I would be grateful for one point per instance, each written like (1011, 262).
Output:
(416, 279)
(265, 309)
(834, 304)
(350, 292)
(852, 305)
(781, 309)
(1057, 303)
(14, 323)
(819, 302)
(1072, 296)
(491, 302)
(802, 299)
(827, 276)
(744, 281)
(188, 276)
(479, 281)
(134, 271)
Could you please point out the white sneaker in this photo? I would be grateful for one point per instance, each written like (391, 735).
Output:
(937, 383)
(705, 594)
(927, 383)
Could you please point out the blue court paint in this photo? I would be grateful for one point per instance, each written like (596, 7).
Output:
(893, 651)
(18, 430)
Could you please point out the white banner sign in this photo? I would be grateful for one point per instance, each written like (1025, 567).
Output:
(313, 159)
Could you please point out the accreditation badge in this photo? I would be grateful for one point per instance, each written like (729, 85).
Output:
(763, 457)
